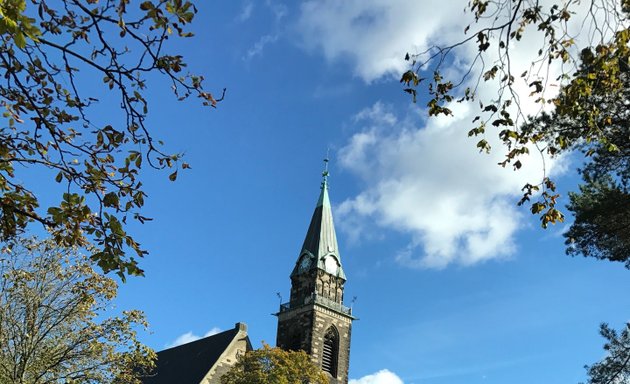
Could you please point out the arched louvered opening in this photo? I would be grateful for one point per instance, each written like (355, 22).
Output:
(330, 351)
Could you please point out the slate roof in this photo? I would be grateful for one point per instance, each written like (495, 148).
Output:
(321, 239)
(189, 363)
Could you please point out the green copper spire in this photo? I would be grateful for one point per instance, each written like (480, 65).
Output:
(321, 240)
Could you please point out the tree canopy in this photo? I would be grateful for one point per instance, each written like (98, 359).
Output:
(596, 123)
(51, 53)
(274, 366)
(615, 367)
(581, 45)
(53, 324)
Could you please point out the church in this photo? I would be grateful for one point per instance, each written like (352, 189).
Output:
(314, 320)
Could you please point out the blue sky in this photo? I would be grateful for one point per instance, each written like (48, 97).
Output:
(453, 282)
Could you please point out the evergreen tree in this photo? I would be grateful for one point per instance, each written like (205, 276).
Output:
(615, 367)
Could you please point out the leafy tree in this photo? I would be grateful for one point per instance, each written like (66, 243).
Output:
(52, 320)
(496, 29)
(615, 367)
(51, 53)
(598, 127)
(274, 366)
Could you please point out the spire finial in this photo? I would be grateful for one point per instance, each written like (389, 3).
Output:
(325, 172)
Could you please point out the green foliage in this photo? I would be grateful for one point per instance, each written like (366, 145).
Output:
(274, 366)
(592, 115)
(53, 327)
(496, 29)
(615, 367)
(602, 206)
(602, 221)
(49, 51)
(15, 24)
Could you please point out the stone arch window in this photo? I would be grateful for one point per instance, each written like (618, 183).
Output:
(330, 351)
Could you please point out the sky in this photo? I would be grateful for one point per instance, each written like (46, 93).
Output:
(450, 280)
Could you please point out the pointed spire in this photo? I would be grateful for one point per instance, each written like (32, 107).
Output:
(321, 239)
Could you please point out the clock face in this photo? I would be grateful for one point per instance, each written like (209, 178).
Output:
(305, 263)
(331, 265)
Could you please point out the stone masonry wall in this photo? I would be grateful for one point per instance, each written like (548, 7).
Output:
(294, 329)
(237, 348)
(324, 319)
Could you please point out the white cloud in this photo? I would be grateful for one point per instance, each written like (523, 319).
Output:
(259, 46)
(212, 331)
(427, 179)
(376, 34)
(189, 337)
(381, 377)
(246, 12)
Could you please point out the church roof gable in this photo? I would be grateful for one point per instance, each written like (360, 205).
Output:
(189, 363)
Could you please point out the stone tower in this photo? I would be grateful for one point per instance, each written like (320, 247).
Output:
(315, 319)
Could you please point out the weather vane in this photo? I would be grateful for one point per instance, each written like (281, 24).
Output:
(325, 172)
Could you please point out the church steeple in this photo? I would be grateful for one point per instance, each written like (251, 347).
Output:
(315, 319)
(321, 239)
